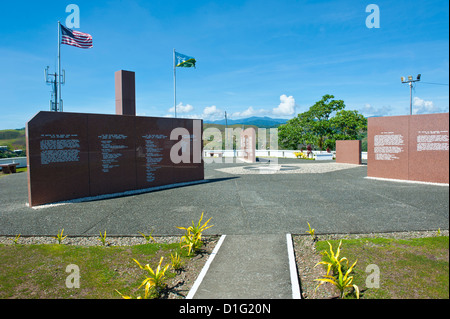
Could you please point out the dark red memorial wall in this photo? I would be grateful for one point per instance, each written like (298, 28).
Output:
(74, 155)
(411, 147)
(348, 151)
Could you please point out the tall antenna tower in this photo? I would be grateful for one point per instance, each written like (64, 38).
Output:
(52, 79)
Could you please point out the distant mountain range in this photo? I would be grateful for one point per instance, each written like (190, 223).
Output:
(254, 120)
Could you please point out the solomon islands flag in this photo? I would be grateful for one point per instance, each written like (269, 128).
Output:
(184, 61)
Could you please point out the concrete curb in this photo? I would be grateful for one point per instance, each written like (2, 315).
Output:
(205, 268)
(293, 268)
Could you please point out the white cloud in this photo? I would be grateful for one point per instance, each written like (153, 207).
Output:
(248, 112)
(286, 107)
(421, 106)
(369, 110)
(212, 113)
(182, 108)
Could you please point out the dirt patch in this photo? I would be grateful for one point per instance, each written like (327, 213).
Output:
(307, 257)
(179, 286)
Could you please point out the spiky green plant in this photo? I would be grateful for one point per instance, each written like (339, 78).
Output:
(102, 238)
(155, 279)
(177, 263)
(16, 239)
(59, 237)
(312, 232)
(148, 237)
(340, 281)
(331, 259)
(193, 235)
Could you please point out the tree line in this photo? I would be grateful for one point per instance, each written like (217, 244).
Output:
(322, 125)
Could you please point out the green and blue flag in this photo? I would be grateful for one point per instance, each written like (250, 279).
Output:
(184, 61)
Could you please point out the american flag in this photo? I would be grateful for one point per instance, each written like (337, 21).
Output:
(76, 38)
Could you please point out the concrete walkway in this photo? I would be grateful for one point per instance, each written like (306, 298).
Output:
(248, 267)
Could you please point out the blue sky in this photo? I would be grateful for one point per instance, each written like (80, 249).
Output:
(254, 58)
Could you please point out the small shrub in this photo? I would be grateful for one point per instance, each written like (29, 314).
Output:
(341, 281)
(60, 237)
(312, 232)
(340, 276)
(153, 283)
(148, 237)
(16, 239)
(332, 260)
(177, 264)
(193, 235)
(102, 238)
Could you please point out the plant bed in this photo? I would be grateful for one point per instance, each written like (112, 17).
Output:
(38, 270)
(412, 264)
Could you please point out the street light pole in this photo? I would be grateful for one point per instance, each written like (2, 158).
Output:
(410, 82)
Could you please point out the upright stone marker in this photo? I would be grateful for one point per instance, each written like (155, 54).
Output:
(412, 147)
(348, 151)
(57, 157)
(125, 92)
(248, 145)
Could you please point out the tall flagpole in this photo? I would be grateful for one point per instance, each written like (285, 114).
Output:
(59, 100)
(174, 85)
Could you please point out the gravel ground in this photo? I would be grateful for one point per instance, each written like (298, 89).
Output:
(89, 241)
(293, 168)
(307, 257)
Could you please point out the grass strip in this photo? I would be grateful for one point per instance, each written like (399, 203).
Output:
(39, 271)
(408, 269)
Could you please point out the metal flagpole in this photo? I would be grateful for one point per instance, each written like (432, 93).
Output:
(174, 85)
(59, 70)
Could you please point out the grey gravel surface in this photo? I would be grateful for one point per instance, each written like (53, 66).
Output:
(339, 201)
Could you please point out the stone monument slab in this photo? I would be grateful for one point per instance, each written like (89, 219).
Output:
(411, 147)
(112, 158)
(348, 151)
(153, 164)
(57, 157)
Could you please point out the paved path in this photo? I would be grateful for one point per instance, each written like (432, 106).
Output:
(248, 267)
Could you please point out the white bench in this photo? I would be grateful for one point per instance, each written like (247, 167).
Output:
(323, 156)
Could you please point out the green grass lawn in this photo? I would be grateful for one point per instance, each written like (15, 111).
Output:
(39, 271)
(409, 269)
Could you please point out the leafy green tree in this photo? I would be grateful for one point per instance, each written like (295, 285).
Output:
(324, 123)
(348, 125)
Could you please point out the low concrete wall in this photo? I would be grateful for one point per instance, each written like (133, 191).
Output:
(21, 160)
(261, 153)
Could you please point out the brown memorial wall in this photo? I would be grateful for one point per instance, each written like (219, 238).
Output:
(74, 155)
(411, 147)
(348, 151)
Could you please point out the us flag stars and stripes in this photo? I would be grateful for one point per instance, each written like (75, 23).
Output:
(75, 38)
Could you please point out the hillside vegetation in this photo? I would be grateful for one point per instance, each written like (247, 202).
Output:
(13, 140)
